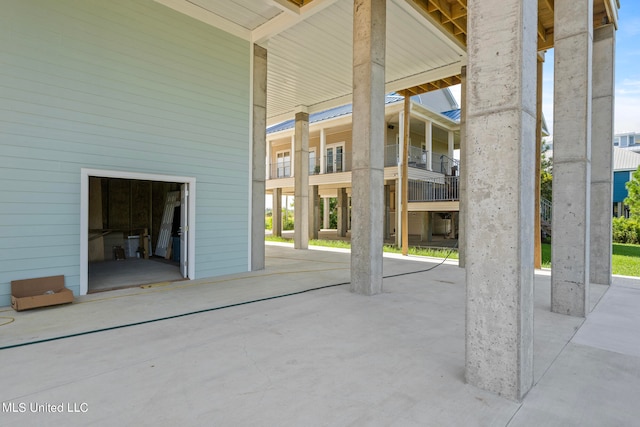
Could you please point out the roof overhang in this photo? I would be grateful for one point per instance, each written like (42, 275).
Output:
(309, 44)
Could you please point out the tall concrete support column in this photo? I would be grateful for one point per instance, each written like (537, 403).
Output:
(326, 214)
(301, 182)
(501, 119)
(427, 227)
(602, 153)
(570, 250)
(369, 39)
(343, 212)
(258, 154)
(276, 215)
(314, 212)
(463, 170)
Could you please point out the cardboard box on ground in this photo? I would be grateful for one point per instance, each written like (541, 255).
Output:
(39, 292)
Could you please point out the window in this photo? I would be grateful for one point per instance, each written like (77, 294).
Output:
(335, 158)
(312, 162)
(283, 164)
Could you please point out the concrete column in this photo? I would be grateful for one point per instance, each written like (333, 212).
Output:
(323, 151)
(428, 139)
(427, 227)
(571, 157)
(343, 210)
(258, 154)
(369, 39)
(463, 169)
(387, 212)
(314, 212)
(301, 182)
(602, 153)
(276, 219)
(326, 214)
(501, 119)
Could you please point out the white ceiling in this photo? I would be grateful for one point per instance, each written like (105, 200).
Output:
(310, 48)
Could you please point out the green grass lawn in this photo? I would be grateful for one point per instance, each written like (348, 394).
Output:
(437, 253)
(625, 259)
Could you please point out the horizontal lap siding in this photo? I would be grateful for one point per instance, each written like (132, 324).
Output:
(126, 85)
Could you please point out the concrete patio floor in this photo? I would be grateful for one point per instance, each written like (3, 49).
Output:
(324, 357)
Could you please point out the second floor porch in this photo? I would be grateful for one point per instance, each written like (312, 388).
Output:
(338, 160)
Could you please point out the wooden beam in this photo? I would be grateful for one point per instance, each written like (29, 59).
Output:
(548, 44)
(537, 238)
(542, 32)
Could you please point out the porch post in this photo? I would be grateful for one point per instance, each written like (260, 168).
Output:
(602, 153)
(428, 139)
(269, 173)
(314, 212)
(343, 210)
(405, 174)
(387, 211)
(323, 151)
(501, 120)
(326, 204)
(276, 215)
(463, 170)
(258, 154)
(450, 143)
(570, 252)
(369, 39)
(301, 200)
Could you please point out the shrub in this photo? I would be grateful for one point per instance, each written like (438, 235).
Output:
(625, 230)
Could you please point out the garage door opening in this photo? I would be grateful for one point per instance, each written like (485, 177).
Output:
(137, 231)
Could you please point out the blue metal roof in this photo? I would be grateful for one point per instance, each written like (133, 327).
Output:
(327, 114)
(452, 114)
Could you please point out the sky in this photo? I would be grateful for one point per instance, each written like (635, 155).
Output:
(627, 68)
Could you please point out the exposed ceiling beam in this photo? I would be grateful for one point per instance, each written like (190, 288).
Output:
(418, 9)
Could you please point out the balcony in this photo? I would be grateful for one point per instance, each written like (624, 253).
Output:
(445, 189)
(420, 159)
(339, 162)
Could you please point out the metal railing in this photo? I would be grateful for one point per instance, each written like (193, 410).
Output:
(281, 169)
(445, 165)
(446, 188)
(545, 210)
(338, 162)
(418, 158)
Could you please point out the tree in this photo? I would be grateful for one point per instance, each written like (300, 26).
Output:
(546, 173)
(633, 194)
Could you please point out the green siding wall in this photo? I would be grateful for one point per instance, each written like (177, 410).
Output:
(124, 85)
